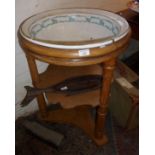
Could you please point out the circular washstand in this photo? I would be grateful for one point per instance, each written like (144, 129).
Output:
(75, 37)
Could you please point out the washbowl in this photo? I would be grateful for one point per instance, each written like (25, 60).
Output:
(74, 28)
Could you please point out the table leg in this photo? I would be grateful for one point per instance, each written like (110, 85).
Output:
(35, 80)
(108, 68)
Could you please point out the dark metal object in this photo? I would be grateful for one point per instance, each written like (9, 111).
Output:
(71, 86)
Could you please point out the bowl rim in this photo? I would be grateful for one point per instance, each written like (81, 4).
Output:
(76, 44)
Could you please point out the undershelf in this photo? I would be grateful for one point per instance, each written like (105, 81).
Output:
(56, 74)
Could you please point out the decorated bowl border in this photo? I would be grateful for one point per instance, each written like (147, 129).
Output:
(36, 28)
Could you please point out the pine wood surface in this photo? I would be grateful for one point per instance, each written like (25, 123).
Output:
(106, 56)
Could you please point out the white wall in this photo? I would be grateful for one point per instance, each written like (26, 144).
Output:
(26, 8)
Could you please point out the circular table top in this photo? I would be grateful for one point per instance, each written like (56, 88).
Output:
(74, 28)
(73, 34)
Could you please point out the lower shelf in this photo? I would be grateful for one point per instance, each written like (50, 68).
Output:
(79, 116)
(56, 74)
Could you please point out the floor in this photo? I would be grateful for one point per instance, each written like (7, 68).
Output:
(75, 141)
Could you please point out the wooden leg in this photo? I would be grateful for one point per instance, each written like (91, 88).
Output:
(35, 80)
(108, 69)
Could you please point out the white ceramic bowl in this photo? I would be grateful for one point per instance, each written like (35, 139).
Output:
(74, 28)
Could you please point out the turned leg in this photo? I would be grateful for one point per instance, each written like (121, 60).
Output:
(35, 80)
(108, 68)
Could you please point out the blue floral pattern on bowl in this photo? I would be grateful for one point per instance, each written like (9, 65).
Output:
(36, 28)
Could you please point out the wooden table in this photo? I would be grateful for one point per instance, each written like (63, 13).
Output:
(80, 115)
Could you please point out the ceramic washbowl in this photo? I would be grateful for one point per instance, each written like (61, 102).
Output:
(74, 28)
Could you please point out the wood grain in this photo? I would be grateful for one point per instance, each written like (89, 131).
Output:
(79, 116)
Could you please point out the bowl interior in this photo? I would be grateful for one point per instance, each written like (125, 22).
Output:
(73, 28)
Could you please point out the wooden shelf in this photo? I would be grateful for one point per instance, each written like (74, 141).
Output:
(80, 117)
(56, 74)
